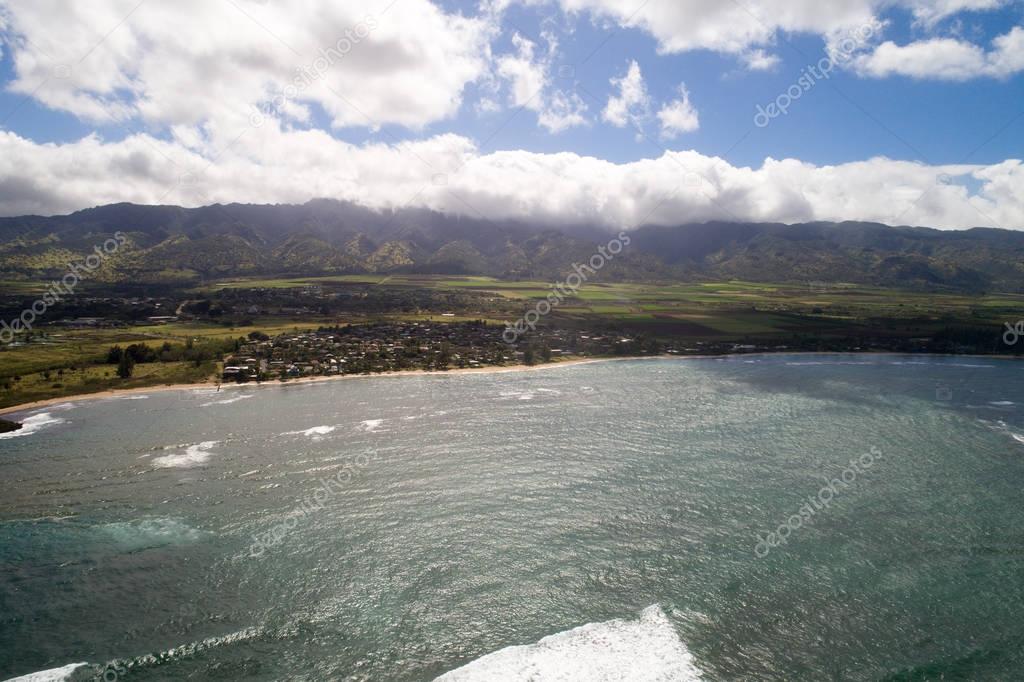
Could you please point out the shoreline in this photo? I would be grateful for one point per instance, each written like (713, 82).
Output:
(120, 392)
(160, 388)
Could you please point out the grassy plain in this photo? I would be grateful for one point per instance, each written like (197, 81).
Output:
(715, 308)
(66, 361)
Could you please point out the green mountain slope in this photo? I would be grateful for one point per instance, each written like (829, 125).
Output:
(331, 237)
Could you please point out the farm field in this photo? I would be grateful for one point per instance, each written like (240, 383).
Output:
(61, 360)
(719, 308)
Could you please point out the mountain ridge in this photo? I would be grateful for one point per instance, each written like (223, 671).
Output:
(326, 236)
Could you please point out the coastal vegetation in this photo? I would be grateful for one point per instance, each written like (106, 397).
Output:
(170, 245)
(403, 346)
(187, 284)
(174, 334)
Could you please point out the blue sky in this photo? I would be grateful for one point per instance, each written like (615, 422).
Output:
(926, 106)
(901, 118)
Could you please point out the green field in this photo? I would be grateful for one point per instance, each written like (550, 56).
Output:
(711, 308)
(64, 363)
(70, 361)
(96, 378)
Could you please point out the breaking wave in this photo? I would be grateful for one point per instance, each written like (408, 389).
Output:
(227, 401)
(119, 668)
(370, 424)
(194, 456)
(33, 424)
(62, 674)
(315, 433)
(644, 650)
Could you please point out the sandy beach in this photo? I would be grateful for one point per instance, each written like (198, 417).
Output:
(118, 393)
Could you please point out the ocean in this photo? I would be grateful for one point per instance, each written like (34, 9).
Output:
(788, 517)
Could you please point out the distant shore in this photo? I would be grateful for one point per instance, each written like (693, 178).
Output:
(121, 392)
(493, 369)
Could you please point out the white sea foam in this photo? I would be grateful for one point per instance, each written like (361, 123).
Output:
(371, 424)
(641, 650)
(1002, 427)
(73, 672)
(152, 532)
(60, 406)
(517, 395)
(1003, 403)
(314, 470)
(53, 675)
(316, 433)
(194, 455)
(116, 668)
(227, 401)
(33, 424)
(191, 649)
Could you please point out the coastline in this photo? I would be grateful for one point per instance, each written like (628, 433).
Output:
(121, 392)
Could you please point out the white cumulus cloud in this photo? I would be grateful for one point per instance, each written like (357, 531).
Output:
(527, 76)
(221, 99)
(931, 12)
(530, 78)
(751, 29)
(192, 61)
(679, 116)
(631, 103)
(946, 58)
(276, 165)
(728, 27)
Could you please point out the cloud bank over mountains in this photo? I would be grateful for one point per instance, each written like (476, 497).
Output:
(448, 173)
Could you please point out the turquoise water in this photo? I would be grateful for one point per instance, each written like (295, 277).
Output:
(401, 528)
